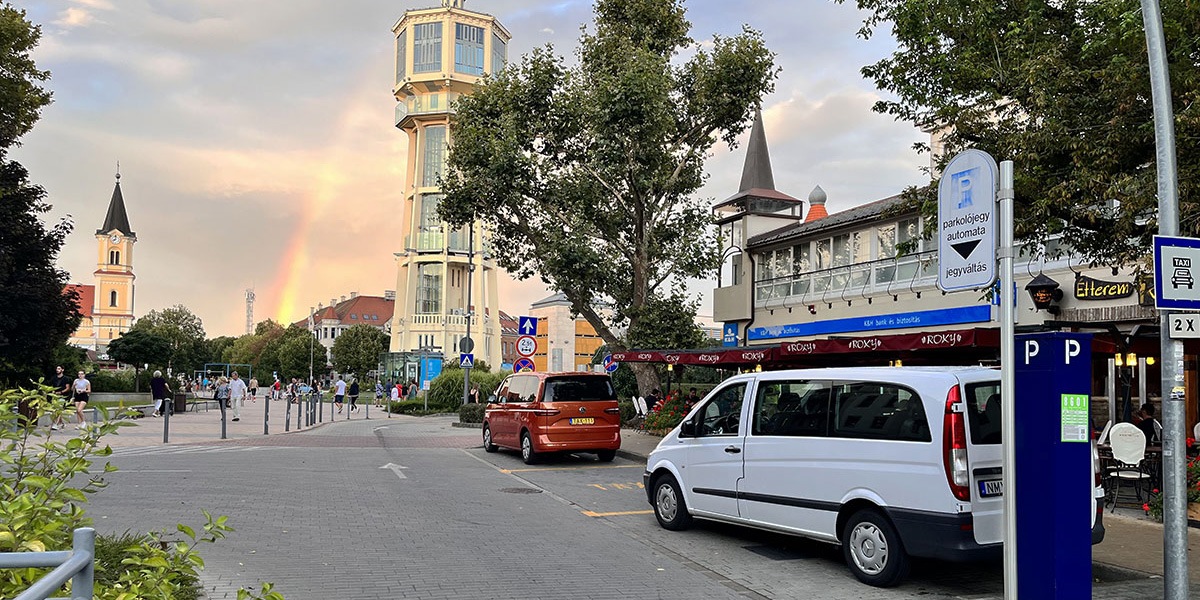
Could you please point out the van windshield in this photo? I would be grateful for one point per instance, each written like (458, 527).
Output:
(983, 411)
(578, 389)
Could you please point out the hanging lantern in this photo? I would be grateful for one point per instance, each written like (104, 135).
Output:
(1044, 291)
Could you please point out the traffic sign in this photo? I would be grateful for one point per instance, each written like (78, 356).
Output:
(1176, 269)
(526, 345)
(967, 222)
(729, 334)
(466, 361)
(609, 364)
(466, 345)
(523, 365)
(527, 325)
(1184, 326)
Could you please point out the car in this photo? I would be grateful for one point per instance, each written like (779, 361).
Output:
(539, 413)
(1182, 277)
(887, 462)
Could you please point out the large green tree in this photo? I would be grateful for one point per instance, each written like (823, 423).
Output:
(185, 332)
(295, 352)
(585, 174)
(357, 350)
(1060, 87)
(37, 317)
(139, 347)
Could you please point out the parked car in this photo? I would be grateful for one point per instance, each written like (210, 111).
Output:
(538, 413)
(887, 462)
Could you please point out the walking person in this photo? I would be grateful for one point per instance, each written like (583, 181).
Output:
(474, 395)
(378, 394)
(159, 390)
(253, 389)
(339, 393)
(412, 389)
(354, 394)
(221, 392)
(276, 390)
(237, 394)
(396, 393)
(62, 385)
(82, 388)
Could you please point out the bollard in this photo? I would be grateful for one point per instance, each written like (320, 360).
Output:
(320, 409)
(367, 413)
(287, 416)
(267, 417)
(221, 404)
(298, 413)
(166, 422)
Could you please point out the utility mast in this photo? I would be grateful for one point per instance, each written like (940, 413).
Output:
(249, 311)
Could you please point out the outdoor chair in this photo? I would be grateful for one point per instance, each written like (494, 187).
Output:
(1129, 454)
(1107, 428)
(639, 404)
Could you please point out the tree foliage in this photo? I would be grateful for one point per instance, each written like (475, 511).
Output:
(137, 348)
(295, 352)
(183, 330)
(357, 349)
(585, 174)
(22, 96)
(1063, 90)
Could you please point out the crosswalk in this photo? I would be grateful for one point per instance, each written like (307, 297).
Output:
(189, 449)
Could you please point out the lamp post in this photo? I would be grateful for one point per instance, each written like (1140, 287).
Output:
(670, 369)
(311, 342)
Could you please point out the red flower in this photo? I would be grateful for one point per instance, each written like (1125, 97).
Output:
(1146, 507)
(1155, 491)
(1191, 441)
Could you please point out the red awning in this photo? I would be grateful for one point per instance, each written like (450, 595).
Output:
(908, 341)
(711, 357)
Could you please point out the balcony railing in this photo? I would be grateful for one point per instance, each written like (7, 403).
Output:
(425, 104)
(889, 275)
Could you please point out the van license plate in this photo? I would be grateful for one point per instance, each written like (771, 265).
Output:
(583, 421)
(991, 487)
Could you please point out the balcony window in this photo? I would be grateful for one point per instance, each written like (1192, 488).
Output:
(468, 49)
(429, 288)
(499, 53)
(401, 56)
(427, 48)
(435, 154)
(886, 239)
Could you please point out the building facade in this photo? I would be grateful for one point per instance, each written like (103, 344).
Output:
(508, 340)
(107, 304)
(330, 321)
(565, 343)
(444, 276)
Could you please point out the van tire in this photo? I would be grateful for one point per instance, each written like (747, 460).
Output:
(488, 446)
(606, 455)
(528, 454)
(873, 550)
(669, 506)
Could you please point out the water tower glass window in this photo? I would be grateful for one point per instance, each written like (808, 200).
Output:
(429, 288)
(468, 49)
(427, 47)
(499, 53)
(401, 55)
(435, 154)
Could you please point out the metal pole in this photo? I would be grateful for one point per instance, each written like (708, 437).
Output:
(221, 404)
(287, 416)
(1175, 536)
(84, 580)
(320, 409)
(470, 312)
(166, 413)
(299, 414)
(1007, 379)
(267, 417)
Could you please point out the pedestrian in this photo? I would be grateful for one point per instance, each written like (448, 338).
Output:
(1149, 425)
(474, 395)
(159, 390)
(237, 395)
(275, 387)
(253, 389)
(221, 392)
(354, 394)
(397, 393)
(83, 387)
(339, 393)
(692, 397)
(412, 389)
(62, 385)
(378, 394)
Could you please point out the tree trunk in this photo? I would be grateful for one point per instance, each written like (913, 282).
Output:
(647, 378)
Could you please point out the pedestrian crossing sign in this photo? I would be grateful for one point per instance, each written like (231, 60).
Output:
(467, 361)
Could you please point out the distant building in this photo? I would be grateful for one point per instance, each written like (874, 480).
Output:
(565, 343)
(331, 321)
(508, 339)
(107, 305)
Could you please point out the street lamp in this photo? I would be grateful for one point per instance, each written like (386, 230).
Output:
(670, 369)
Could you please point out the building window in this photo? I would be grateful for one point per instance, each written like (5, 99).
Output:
(354, 316)
(427, 47)
(429, 289)
(112, 298)
(429, 213)
(468, 49)
(114, 257)
(401, 55)
(499, 53)
(435, 154)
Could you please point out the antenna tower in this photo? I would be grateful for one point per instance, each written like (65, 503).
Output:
(249, 311)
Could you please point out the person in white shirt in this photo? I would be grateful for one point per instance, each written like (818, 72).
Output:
(339, 393)
(237, 395)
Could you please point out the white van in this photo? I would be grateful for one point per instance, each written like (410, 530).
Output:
(888, 462)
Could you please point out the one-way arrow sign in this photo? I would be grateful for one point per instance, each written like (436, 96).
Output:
(528, 326)
(395, 469)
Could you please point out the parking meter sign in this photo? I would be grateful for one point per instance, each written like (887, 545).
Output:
(967, 222)
(1176, 269)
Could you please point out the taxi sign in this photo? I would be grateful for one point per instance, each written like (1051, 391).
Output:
(1176, 270)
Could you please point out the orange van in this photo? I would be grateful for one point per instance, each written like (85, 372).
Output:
(538, 413)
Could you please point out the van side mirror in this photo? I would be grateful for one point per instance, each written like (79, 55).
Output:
(687, 429)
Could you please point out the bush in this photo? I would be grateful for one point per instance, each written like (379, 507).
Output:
(471, 413)
(447, 389)
(667, 414)
(407, 407)
(628, 412)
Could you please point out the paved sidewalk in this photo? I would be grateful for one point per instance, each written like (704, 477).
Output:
(1129, 544)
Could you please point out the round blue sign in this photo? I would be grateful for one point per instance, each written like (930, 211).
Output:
(609, 364)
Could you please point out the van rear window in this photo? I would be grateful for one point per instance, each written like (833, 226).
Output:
(578, 389)
(983, 412)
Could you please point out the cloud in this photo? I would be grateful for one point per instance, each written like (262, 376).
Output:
(547, 31)
(74, 17)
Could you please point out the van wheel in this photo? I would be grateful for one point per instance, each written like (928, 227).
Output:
(528, 454)
(488, 446)
(669, 507)
(873, 549)
(606, 455)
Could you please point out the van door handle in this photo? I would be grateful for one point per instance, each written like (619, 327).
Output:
(732, 449)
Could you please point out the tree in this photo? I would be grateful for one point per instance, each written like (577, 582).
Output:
(184, 331)
(218, 349)
(357, 350)
(1063, 90)
(37, 317)
(140, 347)
(295, 352)
(584, 175)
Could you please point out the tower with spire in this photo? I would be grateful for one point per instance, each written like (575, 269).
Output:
(110, 303)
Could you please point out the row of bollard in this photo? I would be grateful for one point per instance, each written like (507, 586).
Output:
(312, 413)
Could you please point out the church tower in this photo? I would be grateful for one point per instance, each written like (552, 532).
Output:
(112, 312)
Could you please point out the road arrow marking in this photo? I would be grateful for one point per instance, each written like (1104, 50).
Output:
(395, 469)
(381, 427)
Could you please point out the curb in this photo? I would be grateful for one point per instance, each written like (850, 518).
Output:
(1110, 573)
(634, 456)
(468, 425)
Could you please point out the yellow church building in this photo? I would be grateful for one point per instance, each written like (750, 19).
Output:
(107, 304)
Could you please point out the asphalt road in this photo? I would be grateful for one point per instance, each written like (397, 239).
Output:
(412, 508)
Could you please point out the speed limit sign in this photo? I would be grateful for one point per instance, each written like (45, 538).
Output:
(526, 345)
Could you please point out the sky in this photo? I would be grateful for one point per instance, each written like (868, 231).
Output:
(257, 144)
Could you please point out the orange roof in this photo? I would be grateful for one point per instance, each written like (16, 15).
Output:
(87, 296)
(371, 310)
(816, 211)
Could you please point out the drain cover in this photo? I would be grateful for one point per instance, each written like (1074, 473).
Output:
(521, 490)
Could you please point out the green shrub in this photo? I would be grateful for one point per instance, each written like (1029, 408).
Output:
(628, 412)
(471, 413)
(447, 389)
(667, 414)
(407, 407)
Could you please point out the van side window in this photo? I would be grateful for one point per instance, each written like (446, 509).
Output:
(721, 414)
(879, 411)
(516, 389)
(527, 389)
(502, 391)
(792, 408)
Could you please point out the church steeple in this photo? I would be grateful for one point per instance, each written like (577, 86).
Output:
(116, 218)
(756, 172)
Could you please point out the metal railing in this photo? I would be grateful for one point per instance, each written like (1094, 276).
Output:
(886, 276)
(77, 566)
